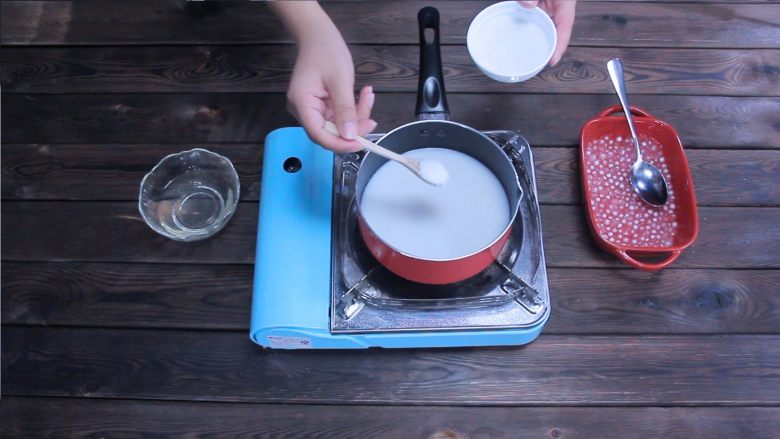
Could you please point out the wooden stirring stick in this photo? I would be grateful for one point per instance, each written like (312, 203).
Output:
(430, 171)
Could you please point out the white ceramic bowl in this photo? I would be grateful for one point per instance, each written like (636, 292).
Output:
(511, 43)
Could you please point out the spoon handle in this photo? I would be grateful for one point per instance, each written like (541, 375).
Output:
(615, 68)
(369, 145)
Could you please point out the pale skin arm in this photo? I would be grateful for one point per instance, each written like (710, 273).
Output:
(562, 14)
(323, 80)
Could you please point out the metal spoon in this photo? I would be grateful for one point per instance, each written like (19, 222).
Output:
(647, 180)
(429, 171)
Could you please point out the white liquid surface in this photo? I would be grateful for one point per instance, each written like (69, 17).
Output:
(434, 172)
(446, 222)
(511, 46)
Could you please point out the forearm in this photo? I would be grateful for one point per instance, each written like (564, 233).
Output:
(305, 20)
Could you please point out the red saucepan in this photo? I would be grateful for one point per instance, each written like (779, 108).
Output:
(434, 130)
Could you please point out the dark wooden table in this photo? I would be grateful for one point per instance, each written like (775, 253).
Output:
(112, 331)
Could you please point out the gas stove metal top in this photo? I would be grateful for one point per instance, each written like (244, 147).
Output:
(366, 297)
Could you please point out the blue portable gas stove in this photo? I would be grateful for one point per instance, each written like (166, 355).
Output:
(316, 286)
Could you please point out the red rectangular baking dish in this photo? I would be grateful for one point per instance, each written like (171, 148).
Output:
(643, 236)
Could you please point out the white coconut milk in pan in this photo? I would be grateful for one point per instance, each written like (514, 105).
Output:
(461, 217)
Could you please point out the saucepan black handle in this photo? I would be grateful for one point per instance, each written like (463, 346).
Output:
(431, 97)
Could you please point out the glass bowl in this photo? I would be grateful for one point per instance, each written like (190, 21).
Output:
(189, 196)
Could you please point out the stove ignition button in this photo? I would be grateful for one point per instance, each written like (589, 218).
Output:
(292, 165)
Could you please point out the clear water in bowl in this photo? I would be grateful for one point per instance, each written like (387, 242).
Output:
(190, 195)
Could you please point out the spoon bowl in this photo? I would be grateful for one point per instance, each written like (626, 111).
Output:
(648, 181)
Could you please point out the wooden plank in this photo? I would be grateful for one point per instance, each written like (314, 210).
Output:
(106, 172)
(112, 172)
(127, 295)
(584, 301)
(729, 237)
(670, 301)
(65, 418)
(546, 120)
(143, 22)
(388, 68)
(136, 118)
(598, 23)
(553, 370)
(124, 236)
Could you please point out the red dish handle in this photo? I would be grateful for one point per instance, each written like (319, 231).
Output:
(636, 111)
(649, 266)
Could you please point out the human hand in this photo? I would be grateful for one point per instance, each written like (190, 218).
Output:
(562, 14)
(321, 89)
